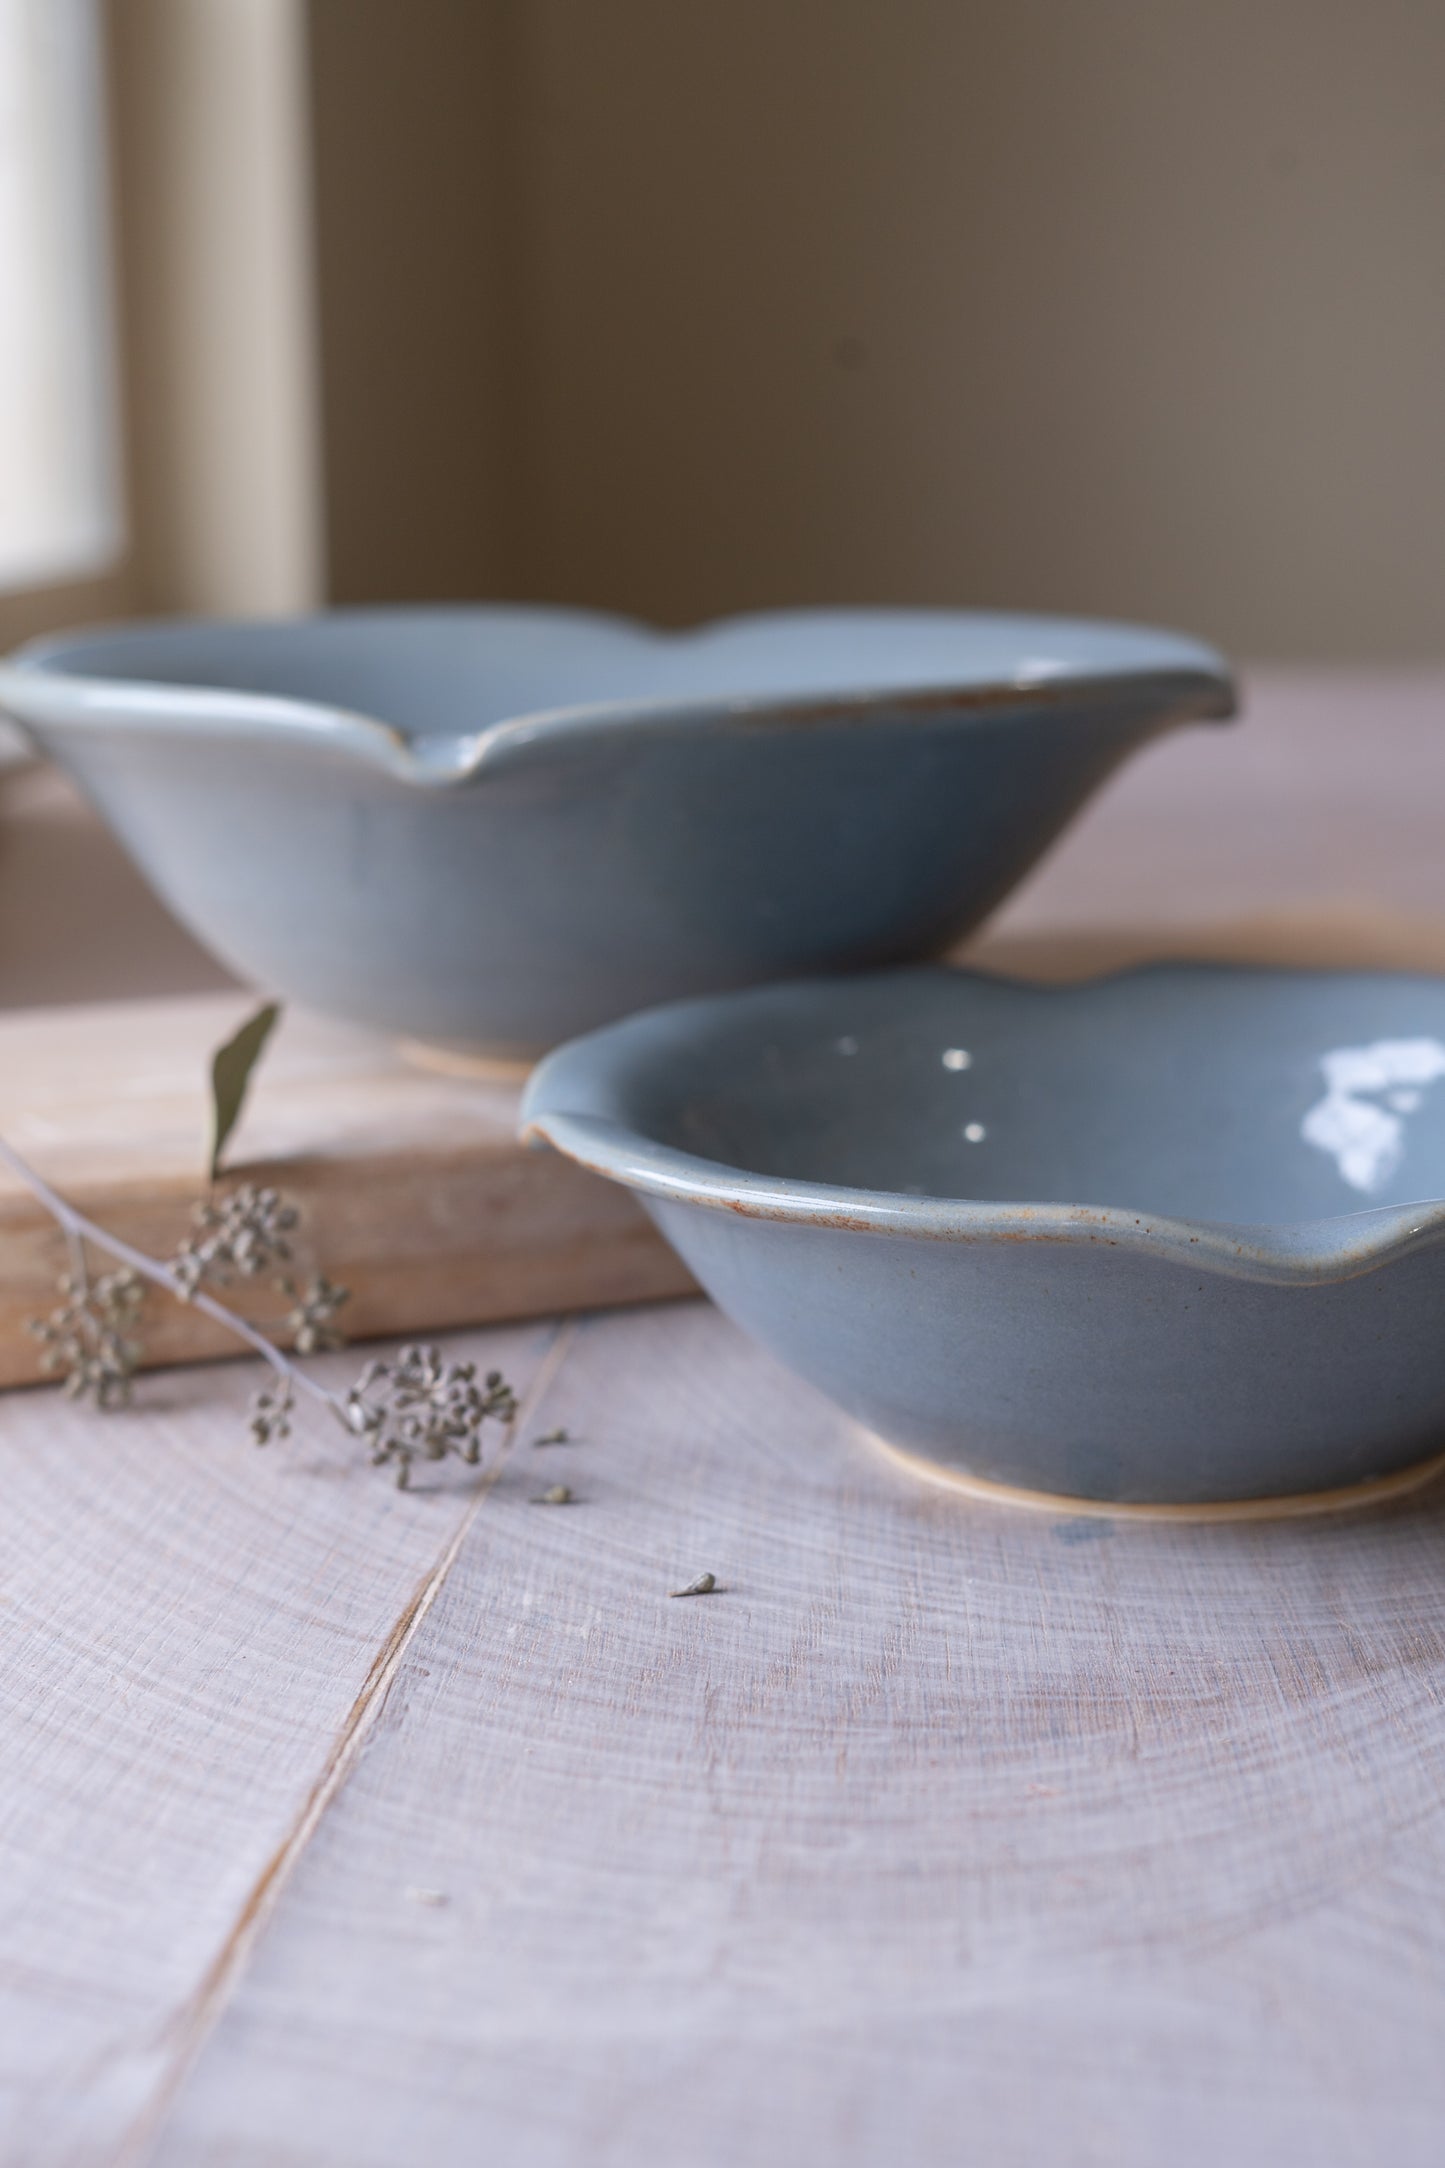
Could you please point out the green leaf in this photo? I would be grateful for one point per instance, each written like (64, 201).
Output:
(231, 1068)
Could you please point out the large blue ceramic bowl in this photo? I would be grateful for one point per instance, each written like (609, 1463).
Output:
(1175, 1237)
(493, 828)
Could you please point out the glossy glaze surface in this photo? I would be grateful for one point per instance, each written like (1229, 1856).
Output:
(492, 828)
(1172, 1237)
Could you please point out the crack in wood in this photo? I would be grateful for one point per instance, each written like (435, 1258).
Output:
(194, 2022)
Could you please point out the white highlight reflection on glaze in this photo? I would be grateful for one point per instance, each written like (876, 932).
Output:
(975, 1132)
(1365, 1139)
(957, 1057)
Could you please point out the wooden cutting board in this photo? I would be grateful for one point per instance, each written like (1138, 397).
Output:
(413, 1189)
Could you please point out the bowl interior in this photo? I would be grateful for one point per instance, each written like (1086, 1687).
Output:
(436, 671)
(1213, 1094)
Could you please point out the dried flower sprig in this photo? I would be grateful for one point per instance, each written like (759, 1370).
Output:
(80, 1229)
(420, 1407)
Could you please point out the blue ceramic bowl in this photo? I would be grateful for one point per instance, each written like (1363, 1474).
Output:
(494, 828)
(1174, 1237)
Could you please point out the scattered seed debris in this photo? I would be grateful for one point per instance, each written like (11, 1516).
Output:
(556, 1437)
(559, 1495)
(428, 1896)
(704, 1585)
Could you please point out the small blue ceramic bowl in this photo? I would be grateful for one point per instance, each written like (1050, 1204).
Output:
(494, 828)
(1175, 1237)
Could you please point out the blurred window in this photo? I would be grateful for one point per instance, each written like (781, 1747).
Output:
(59, 512)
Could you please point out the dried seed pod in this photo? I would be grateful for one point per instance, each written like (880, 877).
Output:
(88, 1338)
(422, 1407)
(311, 1320)
(242, 1234)
(271, 1410)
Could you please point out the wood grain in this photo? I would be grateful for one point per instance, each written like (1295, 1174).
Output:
(413, 1188)
(939, 1833)
(195, 1635)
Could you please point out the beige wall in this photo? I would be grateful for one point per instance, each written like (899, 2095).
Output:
(409, 102)
(215, 230)
(1119, 305)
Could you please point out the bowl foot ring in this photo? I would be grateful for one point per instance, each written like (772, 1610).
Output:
(1300, 1505)
(454, 1061)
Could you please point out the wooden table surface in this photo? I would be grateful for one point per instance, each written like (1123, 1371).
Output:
(345, 1826)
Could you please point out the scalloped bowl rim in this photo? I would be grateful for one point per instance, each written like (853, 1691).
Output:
(1341, 1246)
(1196, 684)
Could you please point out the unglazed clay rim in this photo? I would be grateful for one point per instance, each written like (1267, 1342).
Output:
(1296, 1505)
